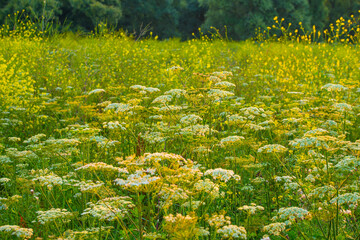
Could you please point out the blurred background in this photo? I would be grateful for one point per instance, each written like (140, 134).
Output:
(179, 18)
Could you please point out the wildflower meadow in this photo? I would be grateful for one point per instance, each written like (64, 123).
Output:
(103, 136)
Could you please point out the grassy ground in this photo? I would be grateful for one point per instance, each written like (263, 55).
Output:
(104, 137)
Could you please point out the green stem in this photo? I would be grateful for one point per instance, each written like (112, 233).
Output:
(303, 190)
(329, 231)
(140, 217)
(14, 177)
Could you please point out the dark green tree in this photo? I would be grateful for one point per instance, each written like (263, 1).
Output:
(158, 16)
(294, 11)
(192, 15)
(241, 17)
(36, 9)
(87, 14)
(319, 12)
(342, 8)
(83, 14)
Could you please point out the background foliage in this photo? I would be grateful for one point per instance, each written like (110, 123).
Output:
(181, 18)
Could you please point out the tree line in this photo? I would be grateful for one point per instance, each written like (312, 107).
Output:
(181, 18)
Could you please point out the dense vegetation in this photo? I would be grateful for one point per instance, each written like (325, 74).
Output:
(108, 137)
(181, 18)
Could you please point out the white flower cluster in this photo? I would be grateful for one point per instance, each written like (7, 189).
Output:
(342, 107)
(96, 91)
(4, 180)
(5, 159)
(348, 164)
(222, 174)
(114, 125)
(222, 74)
(350, 199)
(103, 141)
(119, 107)
(291, 215)
(330, 87)
(14, 139)
(207, 186)
(231, 141)
(175, 68)
(316, 132)
(286, 179)
(225, 85)
(164, 158)
(123, 108)
(103, 104)
(322, 192)
(170, 108)
(252, 112)
(15, 230)
(35, 139)
(171, 194)
(329, 124)
(144, 90)
(214, 79)
(101, 166)
(179, 217)
(89, 233)
(163, 99)
(218, 94)
(236, 119)
(292, 120)
(112, 106)
(232, 231)
(22, 155)
(193, 204)
(219, 220)
(275, 228)
(176, 92)
(54, 214)
(156, 117)
(191, 119)
(196, 130)
(252, 209)
(137, 179)
(311, 178)
(202, 150)
(109, 209)
(308, 142)
(137, 87)
(153, 235)
(50, 180)
(315, 155)
(88, 186)
(255, 127)
(295, 93)
(153, 137)
(151, 90)
(63, 142)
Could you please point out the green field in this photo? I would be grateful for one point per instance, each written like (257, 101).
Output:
(105, 137)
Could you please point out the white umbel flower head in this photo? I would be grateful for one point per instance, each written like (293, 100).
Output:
(15, 230)
(330, 87)
(96, 91)
(232, 232)
(222, 174)
(109, 209)
(54, 214)
(272, 148)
